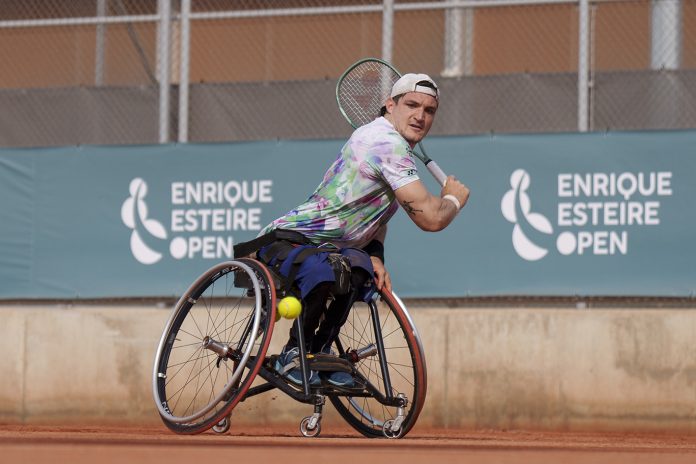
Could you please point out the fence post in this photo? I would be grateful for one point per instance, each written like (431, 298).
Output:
(583, 64)
(100, 45)
(164, 10)
(453, 42)
(184, 70)
(666, 37)
(387, 30)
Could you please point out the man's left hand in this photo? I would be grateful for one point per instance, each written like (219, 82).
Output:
(382, 279)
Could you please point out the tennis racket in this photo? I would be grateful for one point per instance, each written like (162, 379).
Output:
(361, 92)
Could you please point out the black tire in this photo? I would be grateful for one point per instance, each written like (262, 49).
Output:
(405, 361)
(214, 345)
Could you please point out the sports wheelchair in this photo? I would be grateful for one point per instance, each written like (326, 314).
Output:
(213, 356)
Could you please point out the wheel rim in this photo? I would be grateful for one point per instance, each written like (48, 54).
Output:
(193, 381)
(406, 367)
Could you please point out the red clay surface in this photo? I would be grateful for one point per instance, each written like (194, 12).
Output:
(155, 444)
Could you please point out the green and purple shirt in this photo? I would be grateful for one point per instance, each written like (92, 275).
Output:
(356, 197)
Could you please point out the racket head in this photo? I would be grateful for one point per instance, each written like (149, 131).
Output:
(363, 89)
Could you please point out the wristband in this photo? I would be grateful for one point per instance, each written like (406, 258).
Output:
(454, 200)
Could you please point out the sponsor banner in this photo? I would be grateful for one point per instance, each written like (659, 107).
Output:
(570, 214)
(566, 214)
(91, 222)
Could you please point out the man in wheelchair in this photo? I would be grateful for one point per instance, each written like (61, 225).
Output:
(332, 245)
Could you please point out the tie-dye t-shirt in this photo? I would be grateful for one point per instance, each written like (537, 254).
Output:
(356, 196)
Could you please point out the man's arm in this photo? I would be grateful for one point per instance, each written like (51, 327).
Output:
(427, 211)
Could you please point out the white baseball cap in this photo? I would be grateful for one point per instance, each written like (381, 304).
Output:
(414, 83)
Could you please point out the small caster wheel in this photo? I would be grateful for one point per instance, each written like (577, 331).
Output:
(387, 431)
(223, 426)
(309, 432)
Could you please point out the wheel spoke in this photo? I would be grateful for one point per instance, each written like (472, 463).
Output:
(401, 350)
(194, 387)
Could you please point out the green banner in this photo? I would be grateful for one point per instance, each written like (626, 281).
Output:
(567, 214)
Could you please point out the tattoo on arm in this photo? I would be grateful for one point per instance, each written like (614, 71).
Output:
(410, 209)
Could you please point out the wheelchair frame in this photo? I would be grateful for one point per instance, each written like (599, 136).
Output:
(201, 348)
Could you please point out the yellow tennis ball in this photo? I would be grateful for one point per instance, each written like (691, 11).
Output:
(289, 307)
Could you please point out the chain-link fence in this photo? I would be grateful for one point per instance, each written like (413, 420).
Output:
(149, 71)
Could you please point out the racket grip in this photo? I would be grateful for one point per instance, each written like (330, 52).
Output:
(437, 173)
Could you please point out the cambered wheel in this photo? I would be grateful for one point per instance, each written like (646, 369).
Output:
(405, 363)
(213, 345)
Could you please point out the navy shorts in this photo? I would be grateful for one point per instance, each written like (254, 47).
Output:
(315, 269)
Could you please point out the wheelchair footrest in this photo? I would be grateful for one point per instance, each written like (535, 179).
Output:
(357, 388)
(319, 362)
(328, 363)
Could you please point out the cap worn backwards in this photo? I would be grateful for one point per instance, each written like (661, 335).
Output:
(415, 83)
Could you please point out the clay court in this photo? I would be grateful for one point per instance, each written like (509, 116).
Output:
(553, 321)
(153, 444)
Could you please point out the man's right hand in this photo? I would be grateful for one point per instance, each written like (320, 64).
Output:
(456, 188)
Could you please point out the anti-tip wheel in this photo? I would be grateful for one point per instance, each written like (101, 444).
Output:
(223, 426)
(387, 431)
(306, 431)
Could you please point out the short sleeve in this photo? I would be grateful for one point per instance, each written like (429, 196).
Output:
(394, 163)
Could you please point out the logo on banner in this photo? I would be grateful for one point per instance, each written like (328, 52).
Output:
(516, 207)
(595, 212)
(134, 214)
(203, 218)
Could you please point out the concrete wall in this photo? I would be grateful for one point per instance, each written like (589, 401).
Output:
(502, 368)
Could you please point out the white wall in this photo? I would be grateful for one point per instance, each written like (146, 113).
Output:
(541, 368)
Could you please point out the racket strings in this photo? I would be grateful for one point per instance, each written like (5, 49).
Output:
(364, 90)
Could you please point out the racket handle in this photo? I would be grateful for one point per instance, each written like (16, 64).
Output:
(437, 173)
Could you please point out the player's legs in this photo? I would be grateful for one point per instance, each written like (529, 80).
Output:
(314, 283)
(314, 307)
(337, 312)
